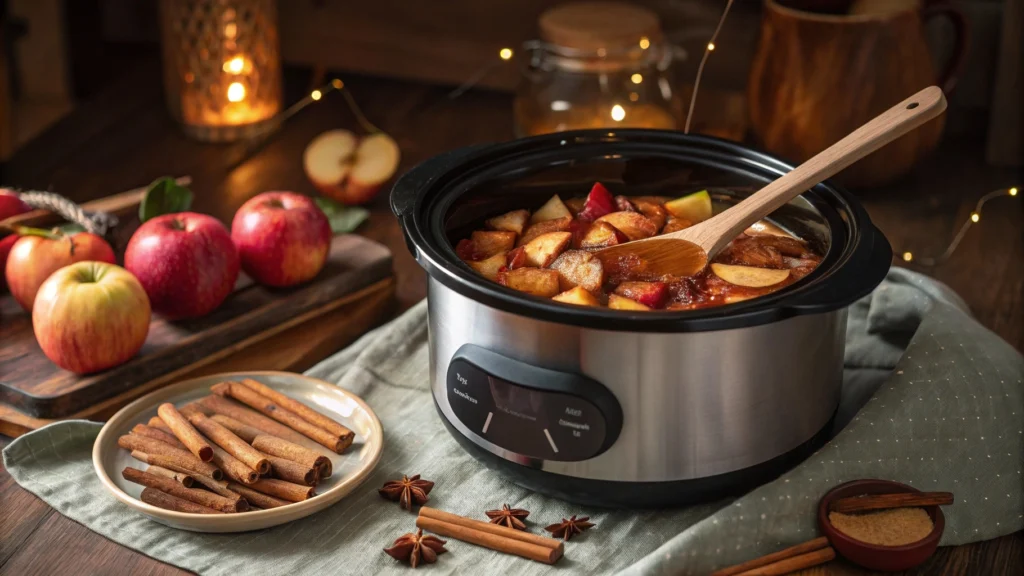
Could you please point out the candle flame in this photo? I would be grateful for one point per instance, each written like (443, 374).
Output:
(618, 113)
(236, 92)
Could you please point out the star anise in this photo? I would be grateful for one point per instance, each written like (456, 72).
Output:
(415, 547)
(566, 529)
(510, 517)
(407, 491)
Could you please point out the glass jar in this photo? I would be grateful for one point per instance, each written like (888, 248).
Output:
(598, 65)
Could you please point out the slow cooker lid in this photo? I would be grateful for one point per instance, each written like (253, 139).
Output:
(445, 198)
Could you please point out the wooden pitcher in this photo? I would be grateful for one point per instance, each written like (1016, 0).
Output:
(817, 76)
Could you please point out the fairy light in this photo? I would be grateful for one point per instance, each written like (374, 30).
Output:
(505, 53)
(236, 92)
(645, 42)
(711, 46)
(618, 113)
(316, 95)
(235, 65)
(974, 218)
(637, 78)
(703, 60)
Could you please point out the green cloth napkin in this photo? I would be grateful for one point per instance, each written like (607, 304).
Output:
(946, 414)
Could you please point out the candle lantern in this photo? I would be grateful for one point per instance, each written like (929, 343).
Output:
(222, 66)
(598, 65)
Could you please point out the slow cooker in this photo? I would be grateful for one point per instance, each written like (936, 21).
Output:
(618, 408)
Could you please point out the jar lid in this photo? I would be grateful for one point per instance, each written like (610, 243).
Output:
(594, 26)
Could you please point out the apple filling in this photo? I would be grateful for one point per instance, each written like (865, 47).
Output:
(549, 253)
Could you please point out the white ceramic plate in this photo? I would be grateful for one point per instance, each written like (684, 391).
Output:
(350, 468)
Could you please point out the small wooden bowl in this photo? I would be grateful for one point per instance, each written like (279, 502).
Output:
(873, 556)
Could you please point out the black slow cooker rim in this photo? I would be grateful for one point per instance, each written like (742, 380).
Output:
(851, 274)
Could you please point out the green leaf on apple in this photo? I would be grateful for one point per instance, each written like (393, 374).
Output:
(71, 228)
(343, 219)
(164, 196)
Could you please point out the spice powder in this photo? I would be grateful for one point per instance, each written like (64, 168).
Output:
(895, 527)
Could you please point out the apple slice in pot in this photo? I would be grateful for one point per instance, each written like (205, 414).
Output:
(350, 169)
(578, 296)
(749, 276)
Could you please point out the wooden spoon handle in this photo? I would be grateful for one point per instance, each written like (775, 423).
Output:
(717, 232)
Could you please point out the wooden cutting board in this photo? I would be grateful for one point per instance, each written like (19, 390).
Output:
(358, 277)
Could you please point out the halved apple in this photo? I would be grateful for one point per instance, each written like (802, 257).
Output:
(513, 221)
(556, 225)
(543, 283)
(616, 302)
(694, 207)
(490, 267)
(543, 249)
(578, 296)
(601, 235)
(350, 169)
(749, 276)
(634, 225)
(579, 268)
(551, 210)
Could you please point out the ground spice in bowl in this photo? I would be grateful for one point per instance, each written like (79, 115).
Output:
(896, 527)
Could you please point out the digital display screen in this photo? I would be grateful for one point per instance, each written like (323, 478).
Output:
(516, 400)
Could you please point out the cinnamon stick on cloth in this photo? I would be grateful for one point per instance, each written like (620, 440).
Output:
(231, 444)
(176, 457)
(492, 536)
(285, 449)
(268, 407)
(168, 502)
(305, 412)
(184, 432)
(172, 487)
(792, 551)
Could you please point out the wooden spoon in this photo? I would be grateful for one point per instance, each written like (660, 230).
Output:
(686, 252)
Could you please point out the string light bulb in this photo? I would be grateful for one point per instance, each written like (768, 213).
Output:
(907, 256)
(637, 78)
(975, 217)
(505, 53)
(235, 65)
(337, 84)
(1013, 191)
(236, 92)
(711, 46)
(645, 42)
(316, 95)
(618, 113)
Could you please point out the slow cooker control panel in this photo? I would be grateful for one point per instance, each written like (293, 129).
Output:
(532, 411)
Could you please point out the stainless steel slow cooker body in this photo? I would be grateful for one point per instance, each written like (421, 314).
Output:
(618, 408)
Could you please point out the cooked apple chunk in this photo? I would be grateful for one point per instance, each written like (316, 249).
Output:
(749, 276)
(578, 296)
(556, 225)
(579, 268)
(516, 258)
(513, 221)
(634, 225)
(651, 294)
(675, 224)
(489, 267)
(653, 211)
(575, 205)
(616, 302)
(543, 249)
(602, 235)
(543, 283)
(489, 243)
(694, 207)
(551, 210)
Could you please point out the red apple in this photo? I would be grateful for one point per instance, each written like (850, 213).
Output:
(282, 237)
(350, 169)
(38, 253)
(11, 205)
(186, 262)
(90, 316)
(6, 243)
(599, 202)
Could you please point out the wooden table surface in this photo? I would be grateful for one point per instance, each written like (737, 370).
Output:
(125, 138)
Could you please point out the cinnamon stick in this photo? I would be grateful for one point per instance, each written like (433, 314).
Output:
(167, 502)
(268, 407)
(172, 487)
(249, 417)
(231, 444)
(499, 543)
(292, 471)
(274, 446)
(157, 434)
(176, 457)
(257, 498)
(217, 486)
(887, 501)
(243, 431)
(283, 490)
(803, 548)
(808, 560)
(194, 407)
(184, 431)
(185, 480)
(305, 412)
(448, 517)
(156, 422)
(233, 467)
